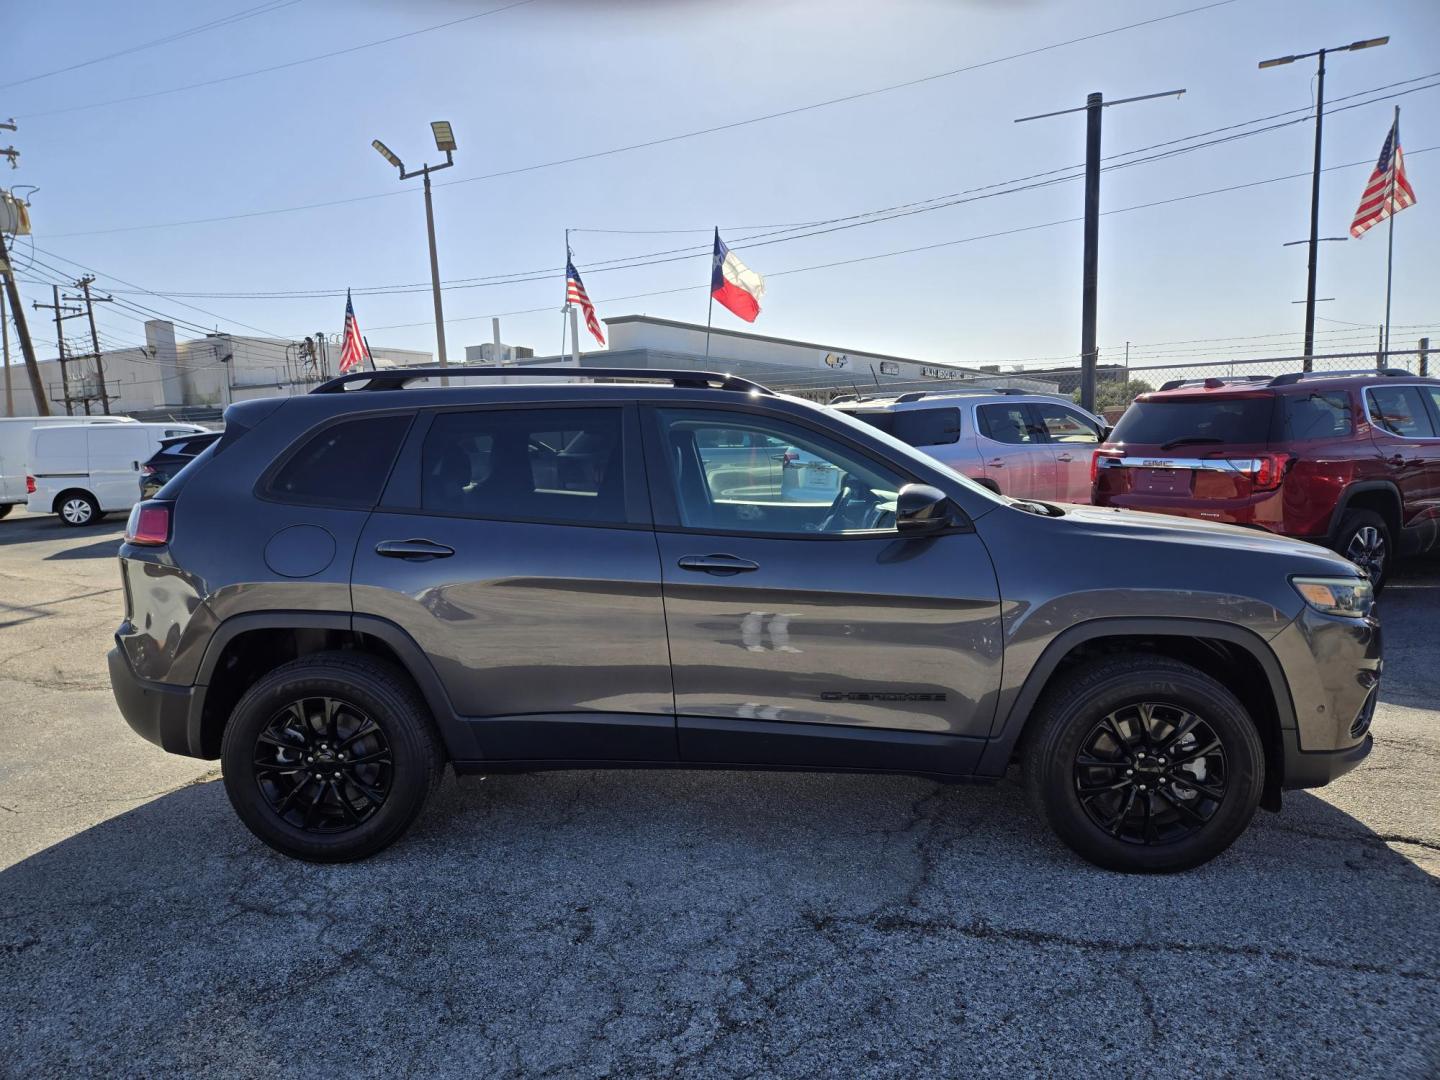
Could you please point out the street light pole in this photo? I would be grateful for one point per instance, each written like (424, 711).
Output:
(444, 140)
(1313, 262)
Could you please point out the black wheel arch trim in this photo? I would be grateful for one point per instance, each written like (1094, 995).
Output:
(1342, 507)
(458, 739)
(1013, 719)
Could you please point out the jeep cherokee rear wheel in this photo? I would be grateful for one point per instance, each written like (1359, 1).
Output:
(330, 757)
(1143, 763)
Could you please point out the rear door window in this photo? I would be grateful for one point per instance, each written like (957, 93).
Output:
(561, 465)
(1177, 422)
(343, 464)
(1400, 410)
(1009, 423)
(1315, 415)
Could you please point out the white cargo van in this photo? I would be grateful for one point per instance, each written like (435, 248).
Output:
(15, 444)
(82, 471)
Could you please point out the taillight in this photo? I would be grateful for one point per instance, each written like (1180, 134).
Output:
(1269, 471)
(29, 485)
(1095, 457)
(790, 457)
(149, 524)
(147, 470)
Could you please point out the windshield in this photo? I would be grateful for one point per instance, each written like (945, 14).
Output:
(1197, 422)
(911, 454)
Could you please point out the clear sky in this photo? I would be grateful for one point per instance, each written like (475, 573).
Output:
(552, 79)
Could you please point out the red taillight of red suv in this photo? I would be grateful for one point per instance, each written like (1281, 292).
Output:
(29, 485)
(1269, 470)
(149, 524)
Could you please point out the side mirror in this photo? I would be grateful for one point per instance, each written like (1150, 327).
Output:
(920, 509)
(1105, 430)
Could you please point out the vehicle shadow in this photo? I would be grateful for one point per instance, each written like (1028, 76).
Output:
(100, 549)
(711, 922)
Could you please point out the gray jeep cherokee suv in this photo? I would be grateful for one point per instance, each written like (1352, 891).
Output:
(353, 587)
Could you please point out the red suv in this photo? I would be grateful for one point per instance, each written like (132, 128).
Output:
(1350, 460)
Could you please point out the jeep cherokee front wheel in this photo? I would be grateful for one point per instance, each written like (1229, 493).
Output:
(1143, 763)
(329, 758)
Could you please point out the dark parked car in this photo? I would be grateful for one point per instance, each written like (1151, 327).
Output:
(1350, 460)
(173, 455)
(352, 588)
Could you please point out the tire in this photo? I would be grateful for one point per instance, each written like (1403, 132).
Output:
(1121, 689)
(1359, 533)
(271, 782)
(78, 509)
(5, 509)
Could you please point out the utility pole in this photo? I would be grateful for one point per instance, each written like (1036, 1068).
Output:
(90, 301)
(5, 348)
(1424, 356)
(22, 328)
(444, 140)
(1313, 262)
(64, 311)
(1089, 287)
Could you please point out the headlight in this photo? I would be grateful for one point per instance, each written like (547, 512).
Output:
(1350, 597)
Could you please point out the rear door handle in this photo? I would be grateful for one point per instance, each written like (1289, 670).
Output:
(995, 463)
(722, 565)
(415, 550)
(1064, 457)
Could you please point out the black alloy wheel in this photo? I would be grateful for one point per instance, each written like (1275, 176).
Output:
(323, 765)
(1367, 551)
(1151, 773)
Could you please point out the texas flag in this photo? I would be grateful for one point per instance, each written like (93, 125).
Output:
(733, 283)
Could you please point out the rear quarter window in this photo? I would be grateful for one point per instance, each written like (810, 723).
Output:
(344, 464)
(1314, 415)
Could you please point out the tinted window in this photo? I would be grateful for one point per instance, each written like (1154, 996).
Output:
(918, 427)
(813, 485)
(1314, 415)
(1008, 424)
(345, 464)
(1064, 425)
(526, 464)
(1198, 422)
(1400, 410)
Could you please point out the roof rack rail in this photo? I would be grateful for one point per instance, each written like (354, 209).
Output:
(1292, 377)
(398, 378)
(1215, 380)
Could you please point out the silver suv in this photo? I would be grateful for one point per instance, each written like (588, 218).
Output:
(1027, 446)
(353, 588)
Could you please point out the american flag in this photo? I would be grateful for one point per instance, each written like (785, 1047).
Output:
(353, 351)
(1378, 203)
(575, 294)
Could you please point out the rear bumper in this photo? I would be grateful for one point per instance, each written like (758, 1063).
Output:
(158, 712)
(1310, 769)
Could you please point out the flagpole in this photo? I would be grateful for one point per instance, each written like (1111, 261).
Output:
(1390, 251)
(710, 309)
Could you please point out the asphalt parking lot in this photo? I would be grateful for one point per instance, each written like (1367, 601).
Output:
(687, 924)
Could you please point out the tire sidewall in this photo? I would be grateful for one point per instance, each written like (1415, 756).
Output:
(410, 772)
(1353, 522)
(1076, 718)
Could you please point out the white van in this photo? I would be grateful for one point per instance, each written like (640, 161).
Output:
(83, 471)
(15, 444)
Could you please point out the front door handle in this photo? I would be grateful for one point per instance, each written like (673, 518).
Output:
(722, 565)
(415, 550)
(995, 463)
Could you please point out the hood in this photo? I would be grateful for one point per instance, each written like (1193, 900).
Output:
(1135, 525)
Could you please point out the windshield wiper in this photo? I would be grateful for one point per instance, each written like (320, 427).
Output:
(1190, 440)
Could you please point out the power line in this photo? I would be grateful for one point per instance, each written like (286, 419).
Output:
(213, 24)
(731, 125)
(286, 65)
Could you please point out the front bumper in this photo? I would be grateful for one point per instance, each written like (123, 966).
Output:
(158, 712)
(1317, 768)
